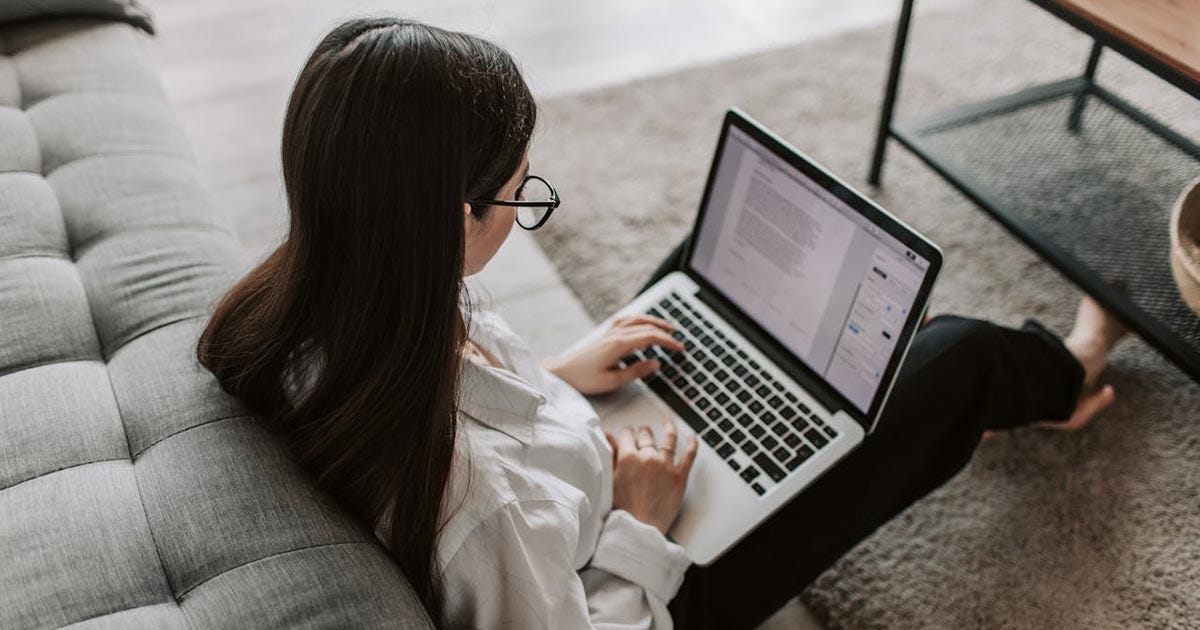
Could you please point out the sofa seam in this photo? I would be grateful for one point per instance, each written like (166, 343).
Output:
(38, 364)
(137, 484)
(121, 610)
(185, 430)
(152, 153)
(277, 554)
(82, 248)
(51, 255)
(110, 356)
(58, 470)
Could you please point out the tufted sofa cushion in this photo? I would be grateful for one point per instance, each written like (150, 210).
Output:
(133, 492)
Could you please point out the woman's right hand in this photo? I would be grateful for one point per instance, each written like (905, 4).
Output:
(647, 482)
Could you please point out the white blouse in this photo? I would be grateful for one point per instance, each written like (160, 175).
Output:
(531, 539)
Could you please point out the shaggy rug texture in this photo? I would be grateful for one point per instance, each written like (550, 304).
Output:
(1099, 529)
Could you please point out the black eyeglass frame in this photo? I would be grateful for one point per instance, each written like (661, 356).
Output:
(550, 205)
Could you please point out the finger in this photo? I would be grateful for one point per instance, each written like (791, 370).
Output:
(626, 441)
(689, 456)
(645, 437)
(642, 336)
(657, 322)
(619, 377)
(612, 443)
(670, 437)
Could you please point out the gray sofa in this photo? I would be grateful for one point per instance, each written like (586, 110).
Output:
(133, 492)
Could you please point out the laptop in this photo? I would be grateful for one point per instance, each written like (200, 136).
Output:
(796, 304)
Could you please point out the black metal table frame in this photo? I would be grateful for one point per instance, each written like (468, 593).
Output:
(909, 135)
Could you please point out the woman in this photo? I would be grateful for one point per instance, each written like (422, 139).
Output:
(486, 474)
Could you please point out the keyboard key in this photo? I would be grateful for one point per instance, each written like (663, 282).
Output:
(680, 381)
(790, 397)
(800, 457)
(691, 393)
(703, 404)
(734, 409)
(791, 440)
(766, 376)
(775, 401)
(744, 396)
(758, 488)
(700, 377)
(803, 408)
(706, 341)
(738, 436)
(712, 437)
(745, 420)
(722, 398)
(751, 380)
(755, 406)
(742, 355)
(725, 450)
(687, 366)
(718, 351)
(710, 365)
(689, 345)
(725, 425)
(768, 442)
(701, 356)
(757, 430)
(734, 386)
(720, 375)
(781, 454)
(713, 413)
(779, 429)
(768, 417)
(816, 438)
(719, 334)
(754, 364)
(763, 390)
(788, 413)
(830, 432)
(740, 370)
(750, 448)
(710, 388)
(750, 474)
(728, 360)
(733, 463)
(774, 472)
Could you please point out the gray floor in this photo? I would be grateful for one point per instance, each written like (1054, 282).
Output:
(228, 66)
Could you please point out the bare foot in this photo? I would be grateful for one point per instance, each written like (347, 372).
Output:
(1093, 337)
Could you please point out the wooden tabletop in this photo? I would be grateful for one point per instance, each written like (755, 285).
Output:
(1166, 30)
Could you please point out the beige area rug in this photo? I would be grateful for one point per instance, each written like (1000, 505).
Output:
(1091, 531)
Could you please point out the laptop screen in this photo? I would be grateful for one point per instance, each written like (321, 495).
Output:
(831, 286)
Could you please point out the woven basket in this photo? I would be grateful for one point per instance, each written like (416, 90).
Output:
(1185, 245)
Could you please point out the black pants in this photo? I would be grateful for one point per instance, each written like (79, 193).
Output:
(962, 376)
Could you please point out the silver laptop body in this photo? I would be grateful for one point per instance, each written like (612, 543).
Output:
(797, 302)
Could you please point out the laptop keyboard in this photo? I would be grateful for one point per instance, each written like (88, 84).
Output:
(761, 430)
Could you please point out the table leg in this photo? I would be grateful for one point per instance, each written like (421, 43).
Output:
(1089, 73)
(889, 93)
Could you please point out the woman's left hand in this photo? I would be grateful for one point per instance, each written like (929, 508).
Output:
(592, 369)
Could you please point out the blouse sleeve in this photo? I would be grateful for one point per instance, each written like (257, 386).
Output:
(516, 570)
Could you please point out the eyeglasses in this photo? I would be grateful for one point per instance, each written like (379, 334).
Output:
(536, 201)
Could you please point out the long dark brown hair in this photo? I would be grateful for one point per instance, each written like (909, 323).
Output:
(346, 339)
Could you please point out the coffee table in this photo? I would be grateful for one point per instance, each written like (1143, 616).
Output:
(1079, 174)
